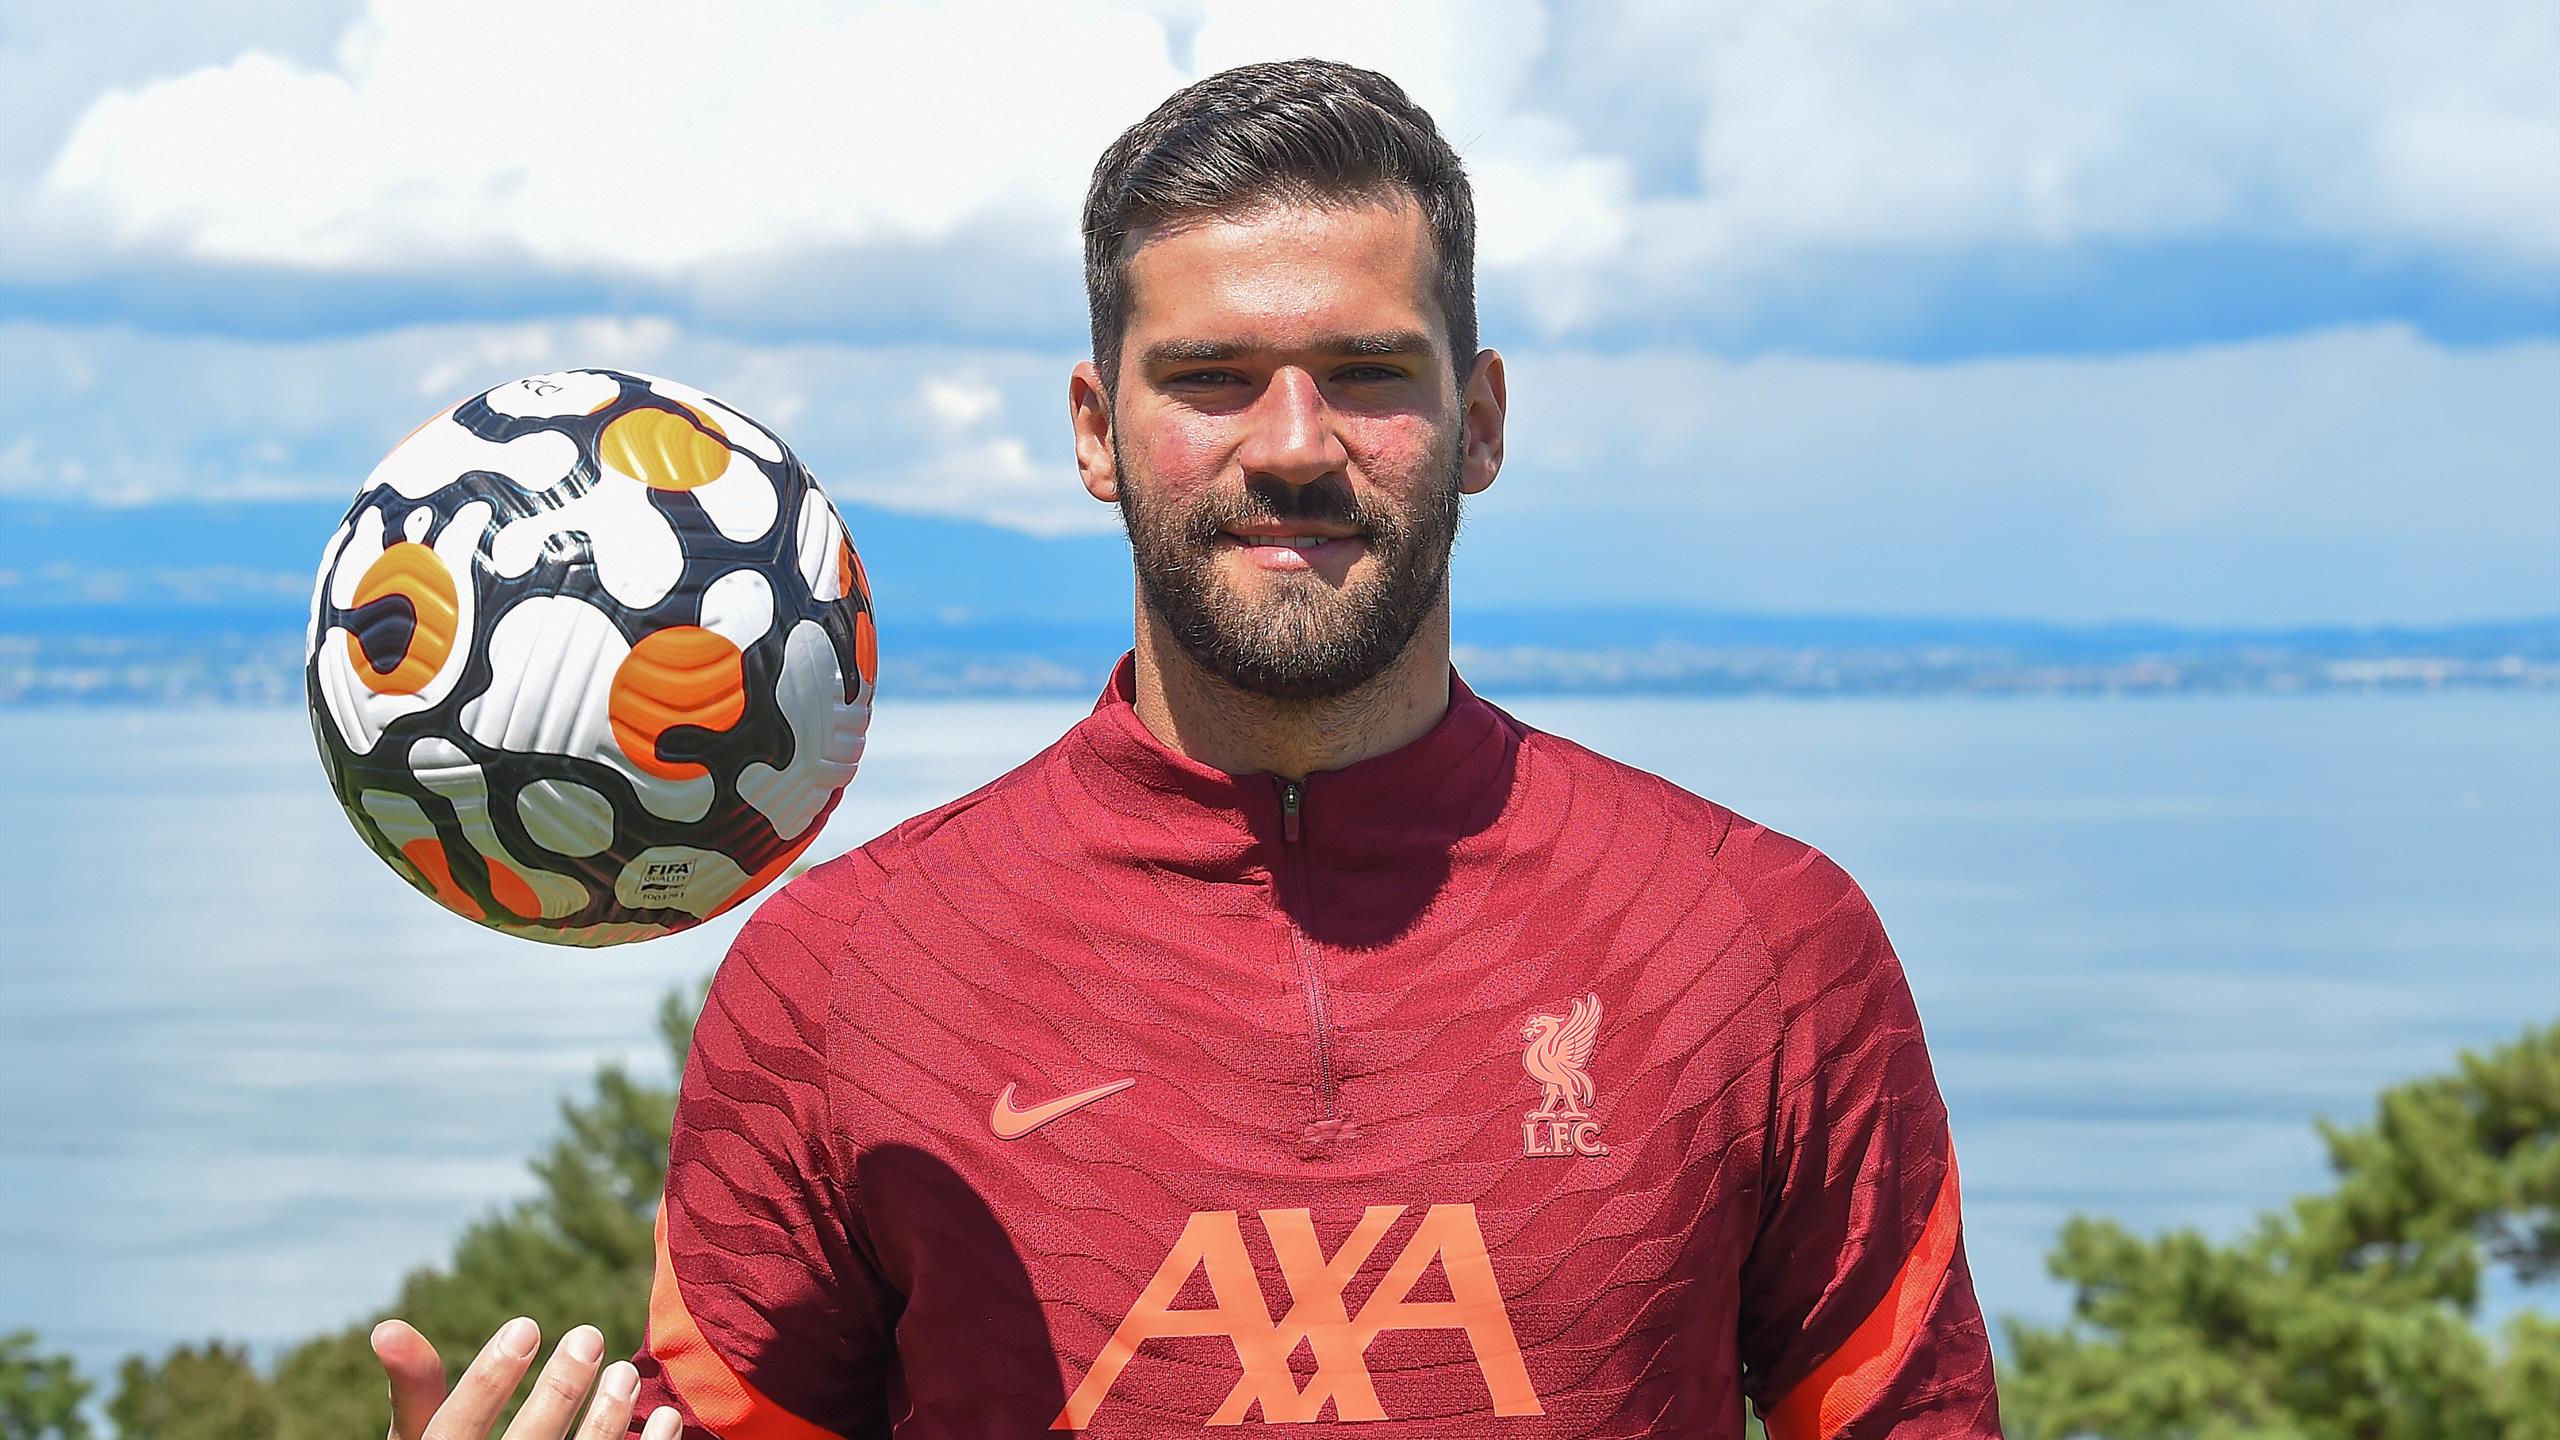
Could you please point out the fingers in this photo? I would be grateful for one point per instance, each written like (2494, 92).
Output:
(416, 1373)
(472, 1409)
(421, 1409)
(610, 1416)
(554, 1401)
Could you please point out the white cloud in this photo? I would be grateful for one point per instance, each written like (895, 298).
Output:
(2354, 475)
(960, 401)
(1466, 64)
(982, 462)
(1629, 158)
(55, 60)
(607, 136)
(1886, 128)
(993, 479)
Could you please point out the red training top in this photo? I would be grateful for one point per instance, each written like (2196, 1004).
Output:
(1487, 1087)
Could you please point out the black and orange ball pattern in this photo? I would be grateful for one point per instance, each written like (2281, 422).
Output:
(591, 658)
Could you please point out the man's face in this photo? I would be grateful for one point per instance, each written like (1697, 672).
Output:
(1286, 441)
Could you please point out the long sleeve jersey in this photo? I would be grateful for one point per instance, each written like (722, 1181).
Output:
(1486, 1087)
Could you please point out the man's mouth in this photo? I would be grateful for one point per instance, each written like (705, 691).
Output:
(1275, 547)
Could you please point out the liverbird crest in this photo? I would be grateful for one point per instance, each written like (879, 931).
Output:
(1558, 1058)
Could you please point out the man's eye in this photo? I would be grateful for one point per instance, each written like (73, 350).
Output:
(1368, 374)
(1207, 377)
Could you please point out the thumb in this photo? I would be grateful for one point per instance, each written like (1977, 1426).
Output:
(417, 1377)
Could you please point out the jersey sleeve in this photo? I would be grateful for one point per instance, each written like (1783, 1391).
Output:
(1858, 1314)
(767, 1318)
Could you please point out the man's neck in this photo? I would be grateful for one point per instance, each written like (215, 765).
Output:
(1213, 722)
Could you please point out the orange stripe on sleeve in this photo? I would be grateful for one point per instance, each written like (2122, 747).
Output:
(726, 1404)
(1840, 1388)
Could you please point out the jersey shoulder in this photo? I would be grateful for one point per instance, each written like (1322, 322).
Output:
(1553, 766)
(1796, 898)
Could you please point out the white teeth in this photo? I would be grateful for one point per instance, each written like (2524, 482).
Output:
(1294, 542)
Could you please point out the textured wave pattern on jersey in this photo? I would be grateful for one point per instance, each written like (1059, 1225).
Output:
(1347, 1185)
(590, 658)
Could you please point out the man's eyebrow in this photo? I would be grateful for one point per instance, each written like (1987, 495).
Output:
(1188, 352)
(1384, 343)
(1376, 344)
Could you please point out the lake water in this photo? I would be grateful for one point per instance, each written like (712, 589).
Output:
(2150, 939)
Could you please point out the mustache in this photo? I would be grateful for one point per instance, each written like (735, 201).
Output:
(1323, 502)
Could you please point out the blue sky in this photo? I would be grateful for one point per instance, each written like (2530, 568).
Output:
(2209, 313)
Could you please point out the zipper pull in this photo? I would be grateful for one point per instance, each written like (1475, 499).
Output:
(1292, 799)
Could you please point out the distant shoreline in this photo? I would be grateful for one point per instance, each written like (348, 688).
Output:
(1660, 655)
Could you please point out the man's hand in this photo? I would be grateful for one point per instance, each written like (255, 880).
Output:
(422, 1410)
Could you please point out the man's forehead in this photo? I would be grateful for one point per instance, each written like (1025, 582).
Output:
(1290, 214)
(1288, 272)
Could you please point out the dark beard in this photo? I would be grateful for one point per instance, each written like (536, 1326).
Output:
(1310, 642)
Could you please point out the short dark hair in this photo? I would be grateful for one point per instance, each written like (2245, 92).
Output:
(1283, 130)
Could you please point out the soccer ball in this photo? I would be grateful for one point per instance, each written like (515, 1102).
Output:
(591, 658)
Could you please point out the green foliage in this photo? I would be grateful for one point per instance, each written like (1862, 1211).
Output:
(2349, 1316)
(40, 1395)
(207, 1393)
(578, 1252)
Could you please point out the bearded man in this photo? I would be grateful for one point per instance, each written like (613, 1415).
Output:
(1301, 1038)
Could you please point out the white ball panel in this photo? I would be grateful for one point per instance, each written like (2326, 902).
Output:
(444, 451)
(826, 735)
(566, 817)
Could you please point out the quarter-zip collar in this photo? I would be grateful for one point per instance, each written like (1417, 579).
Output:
(1403, 809)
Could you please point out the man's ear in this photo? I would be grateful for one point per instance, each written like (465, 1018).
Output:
(1089, 411)
(1482, 403)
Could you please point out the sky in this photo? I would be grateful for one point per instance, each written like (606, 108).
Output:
(2238, 312)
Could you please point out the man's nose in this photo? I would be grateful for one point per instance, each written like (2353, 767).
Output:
(1292, 437)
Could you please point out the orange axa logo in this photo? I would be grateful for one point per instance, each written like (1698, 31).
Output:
(1558, 1058)
(1317, 1317)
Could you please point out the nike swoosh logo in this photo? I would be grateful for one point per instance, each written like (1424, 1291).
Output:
(1012, 1124)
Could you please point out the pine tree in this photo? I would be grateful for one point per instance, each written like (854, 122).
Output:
(40, 1395)
(2352, 1315)
(210, 1392)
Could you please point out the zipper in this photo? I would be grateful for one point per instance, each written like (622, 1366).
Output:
(1293, 801)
